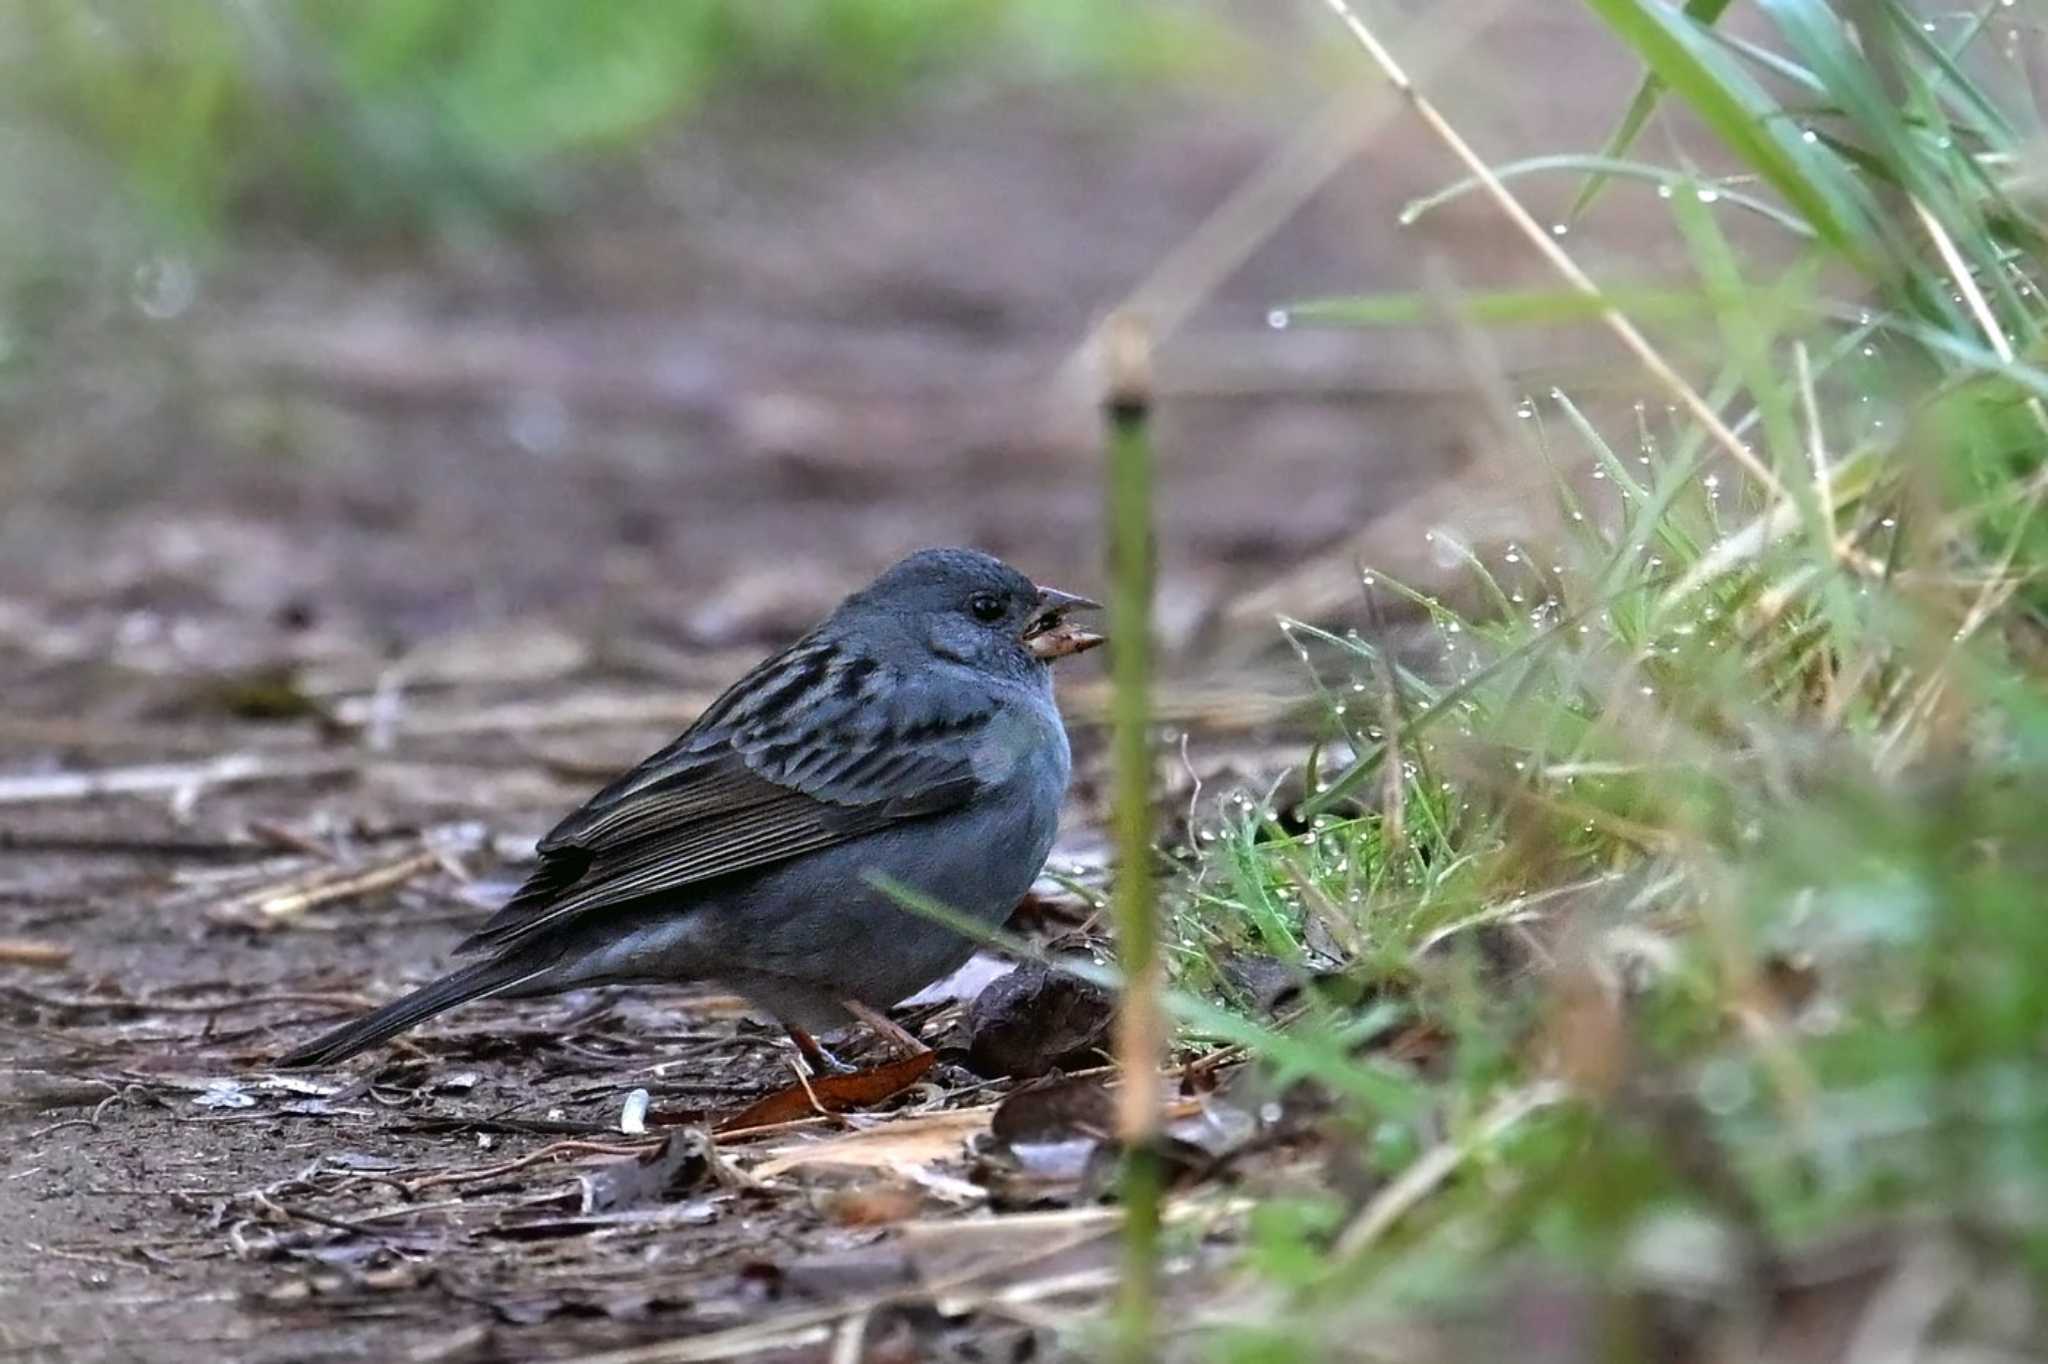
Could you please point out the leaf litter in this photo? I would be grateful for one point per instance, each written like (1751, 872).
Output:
(611, 1170)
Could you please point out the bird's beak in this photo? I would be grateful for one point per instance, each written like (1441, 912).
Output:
(1050, 635)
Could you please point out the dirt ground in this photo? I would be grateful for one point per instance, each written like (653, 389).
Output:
(324, 591)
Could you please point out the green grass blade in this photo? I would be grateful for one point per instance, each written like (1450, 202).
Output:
(1636, 117)
(1667, 182)
(1821, 189)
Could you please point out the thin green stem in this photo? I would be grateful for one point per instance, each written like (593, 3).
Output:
(1139, 1035)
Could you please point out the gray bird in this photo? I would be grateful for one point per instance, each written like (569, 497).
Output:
(912, 734)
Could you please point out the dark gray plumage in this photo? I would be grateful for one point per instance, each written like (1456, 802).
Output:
(913, 734)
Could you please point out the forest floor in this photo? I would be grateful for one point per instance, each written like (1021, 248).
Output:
(326, 585)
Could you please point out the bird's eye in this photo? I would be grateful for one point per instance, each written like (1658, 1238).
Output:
(986, 606)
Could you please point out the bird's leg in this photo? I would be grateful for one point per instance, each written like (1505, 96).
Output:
(820, 1061)
(906, 1041)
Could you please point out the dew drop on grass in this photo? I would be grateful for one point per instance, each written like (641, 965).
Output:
(1278, 319)
(1708, 196)
(1808, 135)
(1559, 229)
(1663, 191)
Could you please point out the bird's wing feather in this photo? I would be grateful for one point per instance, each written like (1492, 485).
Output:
(758, 779)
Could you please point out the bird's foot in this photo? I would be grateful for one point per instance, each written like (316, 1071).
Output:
(816, 1058)
(887, 1028)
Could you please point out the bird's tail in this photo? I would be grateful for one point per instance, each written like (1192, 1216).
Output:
(457, 987)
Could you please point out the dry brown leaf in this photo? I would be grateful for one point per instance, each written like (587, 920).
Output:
(833, 1093)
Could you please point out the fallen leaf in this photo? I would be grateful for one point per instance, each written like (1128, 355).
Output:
(677, 1163)
(833, 1093)
(1057, 1110)
(1034, 1020)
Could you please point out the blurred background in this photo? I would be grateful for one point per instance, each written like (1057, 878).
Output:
(330, 328)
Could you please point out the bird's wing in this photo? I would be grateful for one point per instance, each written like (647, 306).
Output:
(757, 780)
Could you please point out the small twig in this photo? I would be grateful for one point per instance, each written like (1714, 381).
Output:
(233, 769)
(25, 952)
(850, 1341)
(570, 1146)
(276, 904)
(803, 1079)
(297, 1214)
(92, 1120)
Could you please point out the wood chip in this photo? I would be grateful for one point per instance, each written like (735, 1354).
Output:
(27, 952)
(915, 1140)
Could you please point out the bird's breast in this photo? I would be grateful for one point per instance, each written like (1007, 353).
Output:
(1021, 745)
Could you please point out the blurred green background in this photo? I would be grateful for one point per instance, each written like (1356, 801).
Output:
(457, 115)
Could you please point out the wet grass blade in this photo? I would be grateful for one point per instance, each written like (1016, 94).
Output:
(1636, 117)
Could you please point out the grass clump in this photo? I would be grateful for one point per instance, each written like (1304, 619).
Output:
(1695, 881)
